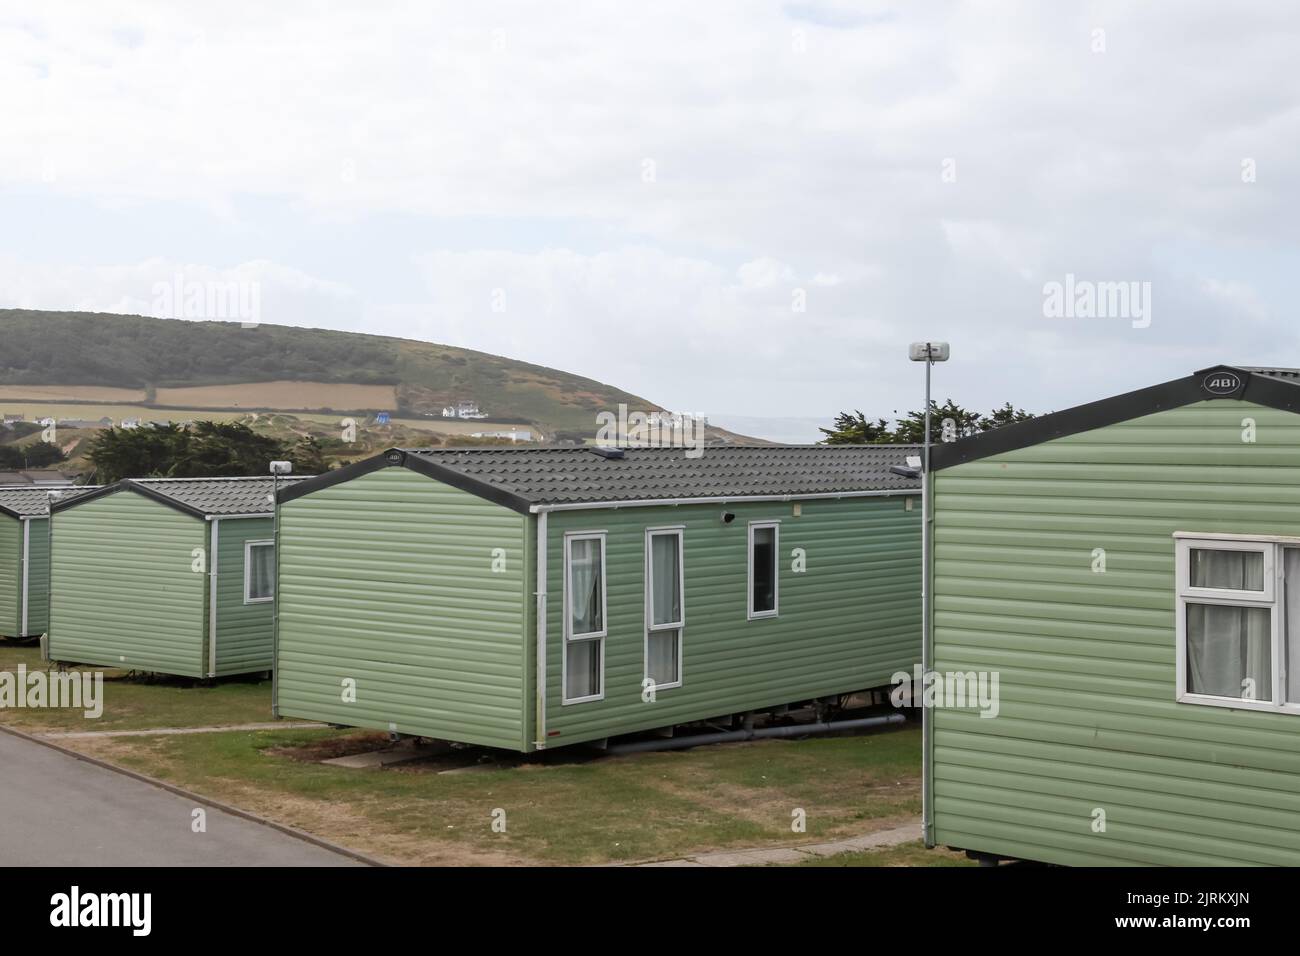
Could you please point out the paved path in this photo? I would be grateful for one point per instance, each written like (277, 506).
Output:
(798, 854)
(56, 810)
(165, 731)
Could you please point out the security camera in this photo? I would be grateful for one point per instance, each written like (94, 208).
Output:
(728, 517)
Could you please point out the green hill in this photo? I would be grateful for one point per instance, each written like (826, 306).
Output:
(75, 356)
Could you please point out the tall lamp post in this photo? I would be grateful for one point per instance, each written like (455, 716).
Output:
(929, 353)
(278, 468)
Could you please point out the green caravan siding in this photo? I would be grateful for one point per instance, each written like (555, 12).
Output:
(124, 590)
(243, 630)
(849, 622)
(1086, 659)
(11, 575)
(38, 577)
(388, 580)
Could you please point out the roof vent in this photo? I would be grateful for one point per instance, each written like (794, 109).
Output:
(905, 472)
(606, 452)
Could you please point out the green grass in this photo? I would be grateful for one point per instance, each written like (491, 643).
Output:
(133, 704)
(906, 854)
(568, 809)
(564, 807)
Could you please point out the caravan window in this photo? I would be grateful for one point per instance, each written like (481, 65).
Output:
(1238, 622)
(584, 617)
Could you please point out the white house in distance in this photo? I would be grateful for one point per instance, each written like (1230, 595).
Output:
(514, 434)
(465, 409)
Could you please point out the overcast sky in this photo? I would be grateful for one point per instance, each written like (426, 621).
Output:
(735, 208)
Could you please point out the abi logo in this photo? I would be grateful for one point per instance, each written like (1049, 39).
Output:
(1222, 383)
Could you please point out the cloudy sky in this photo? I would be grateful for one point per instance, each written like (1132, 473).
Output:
(745, 209)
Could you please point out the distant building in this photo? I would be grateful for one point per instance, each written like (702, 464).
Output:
(130, 423)
(13, 419)
(514, 434)
(464, 409)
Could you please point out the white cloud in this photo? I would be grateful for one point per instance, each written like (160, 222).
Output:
(792, 146)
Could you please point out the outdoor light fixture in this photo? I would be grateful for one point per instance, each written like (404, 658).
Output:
(281, 467)
(928, 351)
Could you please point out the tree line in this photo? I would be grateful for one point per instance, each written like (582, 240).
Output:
(854, 428)
(205, 450)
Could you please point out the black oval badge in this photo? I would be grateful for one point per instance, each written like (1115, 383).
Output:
(1222, 383)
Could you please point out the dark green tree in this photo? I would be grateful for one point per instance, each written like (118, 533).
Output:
(145, 452)
(224, 449)
(911, 429)
(308, 456)
(41, 454)
(1006, 415)
(852, 428)
(207, 450)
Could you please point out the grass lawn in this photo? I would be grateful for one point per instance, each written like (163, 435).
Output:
(568, 808)
(906, 854)
(136, 704)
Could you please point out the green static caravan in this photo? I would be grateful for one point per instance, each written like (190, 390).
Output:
(166, 575)
(1130, 569)
(524, 598)
(24, 558)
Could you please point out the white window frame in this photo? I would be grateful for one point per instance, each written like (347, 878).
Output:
(1272, 598)
(597, 636)
(680, 624)
(248, 571)
(750, 613)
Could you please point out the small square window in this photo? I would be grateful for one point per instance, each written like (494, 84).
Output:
(259, 572)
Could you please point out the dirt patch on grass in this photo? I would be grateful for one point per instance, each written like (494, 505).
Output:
(327, 748)
(363, 825)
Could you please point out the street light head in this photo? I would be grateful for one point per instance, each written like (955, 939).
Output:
(281, 467)
(928, 351)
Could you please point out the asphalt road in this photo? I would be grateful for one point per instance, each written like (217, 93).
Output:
(56, 810)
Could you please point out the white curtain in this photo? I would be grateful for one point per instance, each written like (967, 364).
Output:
(661, 657)
(1291, 620)
(587, 615)
(1225, 647)
(666, 599)
(1229, 645)
(1235, 570)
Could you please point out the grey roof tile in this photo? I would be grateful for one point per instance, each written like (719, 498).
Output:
(217, 496)
(30, 501)
(549, 476)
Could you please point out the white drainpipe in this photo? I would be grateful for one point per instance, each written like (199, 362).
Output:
(27, 560)
(212, 596)
(540, 742)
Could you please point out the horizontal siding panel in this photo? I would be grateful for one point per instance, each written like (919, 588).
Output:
(244, 631)
(387, 580)
(11, 546)
(123, 590)
(849, 622)
(1086, 661)
(38, 573)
